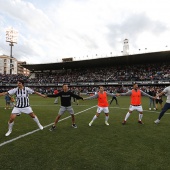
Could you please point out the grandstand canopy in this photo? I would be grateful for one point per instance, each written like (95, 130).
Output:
(156, 57)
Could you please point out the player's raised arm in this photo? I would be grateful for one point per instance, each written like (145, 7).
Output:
(3, 94)
(111, 94)
(160, 94)
(91, 97)
(125, 94)
(39, 94)
(145, 94)
(54, 95)
(76, 96)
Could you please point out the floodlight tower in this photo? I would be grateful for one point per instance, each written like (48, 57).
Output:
(11, 37)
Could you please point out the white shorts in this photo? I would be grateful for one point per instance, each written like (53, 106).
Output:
(26, 110)
(104, 109)
(138, 108)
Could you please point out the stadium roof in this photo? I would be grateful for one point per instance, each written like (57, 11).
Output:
(156, 57)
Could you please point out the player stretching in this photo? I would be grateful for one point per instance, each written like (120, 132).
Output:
(22, 104)
(65, 96)
(102, 104)
(135, 103)
(166, 91)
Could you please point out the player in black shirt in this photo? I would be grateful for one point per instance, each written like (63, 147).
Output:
(65, 97)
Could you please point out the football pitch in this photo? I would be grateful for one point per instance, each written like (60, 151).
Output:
(115, 147)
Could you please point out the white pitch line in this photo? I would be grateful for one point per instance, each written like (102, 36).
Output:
(29, 133)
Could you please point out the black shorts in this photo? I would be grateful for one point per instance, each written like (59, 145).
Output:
(7, 102)
(159, 101)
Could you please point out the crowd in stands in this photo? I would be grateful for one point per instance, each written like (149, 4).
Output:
(12, 78)
(147, 72)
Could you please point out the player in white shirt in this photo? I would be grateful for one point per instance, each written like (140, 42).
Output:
(166, 91)
(22, 104)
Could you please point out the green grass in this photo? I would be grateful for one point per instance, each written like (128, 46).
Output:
(99, 147)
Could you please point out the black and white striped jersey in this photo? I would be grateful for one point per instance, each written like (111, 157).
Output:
(22, 96)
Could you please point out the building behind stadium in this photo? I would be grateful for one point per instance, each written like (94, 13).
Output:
(16, 67)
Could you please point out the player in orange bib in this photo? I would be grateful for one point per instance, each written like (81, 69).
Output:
(102, 104)
(135, 103)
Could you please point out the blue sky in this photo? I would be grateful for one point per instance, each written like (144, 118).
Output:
(55, 29)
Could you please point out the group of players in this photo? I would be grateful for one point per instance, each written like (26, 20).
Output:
(22, 104)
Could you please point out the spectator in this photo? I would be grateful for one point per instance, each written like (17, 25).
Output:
(151, 100)
(7, 101)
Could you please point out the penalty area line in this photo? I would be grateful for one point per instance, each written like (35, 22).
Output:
(29, 133)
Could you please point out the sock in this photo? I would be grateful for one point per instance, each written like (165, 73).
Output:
(10, 125)
(140, 116)
(127, 115)
(106, 118)
(94, 118)
(36, 120)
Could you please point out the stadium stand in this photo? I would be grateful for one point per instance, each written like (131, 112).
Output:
(149, 69)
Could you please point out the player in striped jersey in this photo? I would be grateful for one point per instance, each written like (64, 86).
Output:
(22, 104)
